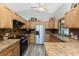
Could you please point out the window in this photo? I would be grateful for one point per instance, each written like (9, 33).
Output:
(62, 30)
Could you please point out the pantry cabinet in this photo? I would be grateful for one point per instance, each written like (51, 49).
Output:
(5, 17)
(13, 50)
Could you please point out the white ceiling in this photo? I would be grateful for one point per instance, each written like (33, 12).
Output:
(19, 7)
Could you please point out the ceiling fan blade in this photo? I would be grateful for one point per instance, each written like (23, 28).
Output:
(45, 9)
(33, 7)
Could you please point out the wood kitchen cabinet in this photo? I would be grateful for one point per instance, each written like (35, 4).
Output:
(28, 24)
(20, 19)
(72, 18)
(32, 38)
(33, 24)
(47, 37)
(13, 50)
(46, 24)
(55, 24)
(51, 24)
(54, 39)
(5, 17)
(14, 16)
(16, 52)
(67, 19)
(75, 18)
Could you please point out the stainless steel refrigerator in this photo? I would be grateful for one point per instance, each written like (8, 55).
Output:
(40, 34)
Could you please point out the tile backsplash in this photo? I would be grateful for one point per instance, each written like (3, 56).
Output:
(74, 31)
(12, 32)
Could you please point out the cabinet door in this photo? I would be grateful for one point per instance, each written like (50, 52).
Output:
(16, 52)
(46, 24)
(55, 24)
(33, 24)
(9, 21)
(65, 20)
(75, 19)
(28, 25)
(51, 24)
(10, 53)
(32, 38)
(14, 16)
(69, 20)
(47, 38)
(5, 17)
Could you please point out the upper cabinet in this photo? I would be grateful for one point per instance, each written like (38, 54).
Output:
(55, 24)
(5, 17)
(75, 18)
(10, 19)
(14, 16)
(67, 19)
(46, 24)
(28, 24)
(72, 18)
(51, 23)
(33, 24)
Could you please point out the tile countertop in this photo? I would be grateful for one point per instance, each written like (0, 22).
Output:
(5, 44)
(65, 38)
(62, 48)
(62, 38)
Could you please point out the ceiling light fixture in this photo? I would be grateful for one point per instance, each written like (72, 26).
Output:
(40, 9)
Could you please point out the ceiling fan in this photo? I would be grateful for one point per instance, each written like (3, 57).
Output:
(40, 7)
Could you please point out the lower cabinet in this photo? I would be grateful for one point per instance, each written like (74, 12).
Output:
(32, 39)
(16, 51)
(54, 39)
(47, 37)
(13, 50)
(10, 53)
